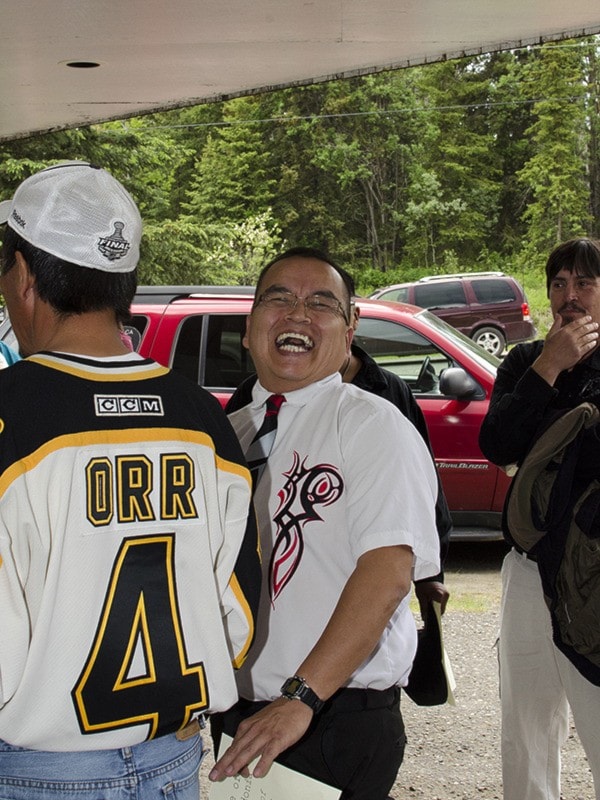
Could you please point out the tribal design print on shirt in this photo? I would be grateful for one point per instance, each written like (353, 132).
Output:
(305, 488)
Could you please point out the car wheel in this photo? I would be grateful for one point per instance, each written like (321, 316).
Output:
(491, 339)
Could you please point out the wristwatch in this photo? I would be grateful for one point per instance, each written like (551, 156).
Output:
(296, 688)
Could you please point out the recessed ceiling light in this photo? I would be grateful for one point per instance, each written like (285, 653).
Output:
(82, 64)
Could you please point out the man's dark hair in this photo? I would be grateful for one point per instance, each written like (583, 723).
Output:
(319, 255)
(581, 256)
(70, 288)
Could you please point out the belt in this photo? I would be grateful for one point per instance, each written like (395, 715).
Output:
(363, 699)
(192, 728)
(522, 552)
(343, 700)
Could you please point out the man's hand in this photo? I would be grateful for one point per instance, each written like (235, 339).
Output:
(565, 346)
(382, 576)
(429, 591)
(266, 734)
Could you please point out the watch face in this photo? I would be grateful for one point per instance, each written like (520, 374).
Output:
(292, 685)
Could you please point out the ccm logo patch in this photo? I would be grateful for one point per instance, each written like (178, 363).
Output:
(127, 405)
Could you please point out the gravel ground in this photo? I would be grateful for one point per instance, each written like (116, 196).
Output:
(453, 752)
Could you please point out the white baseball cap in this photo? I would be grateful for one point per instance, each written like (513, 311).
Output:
(79, 213)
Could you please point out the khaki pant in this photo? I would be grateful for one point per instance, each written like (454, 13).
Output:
(537, 686)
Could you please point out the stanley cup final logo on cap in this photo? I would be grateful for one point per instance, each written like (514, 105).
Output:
(114, 246)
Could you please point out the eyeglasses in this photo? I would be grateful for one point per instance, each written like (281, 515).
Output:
(281, 300)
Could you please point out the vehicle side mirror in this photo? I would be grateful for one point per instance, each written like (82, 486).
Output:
(456, 382)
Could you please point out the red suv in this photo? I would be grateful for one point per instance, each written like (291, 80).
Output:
(198, 331)
(489, 307)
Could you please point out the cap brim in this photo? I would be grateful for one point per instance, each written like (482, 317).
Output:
(4, 210)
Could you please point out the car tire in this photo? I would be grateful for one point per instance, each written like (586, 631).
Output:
(491, 339)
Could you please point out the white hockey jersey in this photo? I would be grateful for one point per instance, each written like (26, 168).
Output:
(123, 509)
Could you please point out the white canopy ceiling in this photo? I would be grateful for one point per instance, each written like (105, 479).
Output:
(157, 54)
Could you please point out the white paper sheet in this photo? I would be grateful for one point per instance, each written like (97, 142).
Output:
(280, 783)
(446, 660)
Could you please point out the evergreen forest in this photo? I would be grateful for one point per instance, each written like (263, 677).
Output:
(482, 163)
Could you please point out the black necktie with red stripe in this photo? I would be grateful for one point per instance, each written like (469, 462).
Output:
(260, 446)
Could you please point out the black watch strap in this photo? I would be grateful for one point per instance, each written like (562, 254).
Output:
(296, 688)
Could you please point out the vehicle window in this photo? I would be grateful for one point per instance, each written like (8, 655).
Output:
(486, 360)
(404, 352)
(399, 295)
(440, 295)
(135, 327)
(228, 362)
(209, 350)
(186, 351)
(496, 291)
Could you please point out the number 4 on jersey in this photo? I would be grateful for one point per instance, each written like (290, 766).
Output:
(137, 670)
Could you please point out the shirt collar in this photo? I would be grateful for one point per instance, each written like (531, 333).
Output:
(299, 397)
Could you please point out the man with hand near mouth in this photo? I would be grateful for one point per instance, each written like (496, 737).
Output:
(340, 541)
(537, 682)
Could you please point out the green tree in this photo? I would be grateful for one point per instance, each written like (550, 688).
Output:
(307, 202)
(173, 252)
(555, 174)
(232, 182)
(189, 128)
(427, 212)
(509, 117)
(592, 81)
(459, 151)
(365, 141)
(239, 252)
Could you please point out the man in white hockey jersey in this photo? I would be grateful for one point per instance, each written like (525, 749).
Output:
(346, 511)
(124, 502)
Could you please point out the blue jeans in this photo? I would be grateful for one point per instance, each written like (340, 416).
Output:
(160, 769)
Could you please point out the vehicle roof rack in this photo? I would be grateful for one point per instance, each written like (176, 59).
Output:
(166, 294)
(427, 278)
